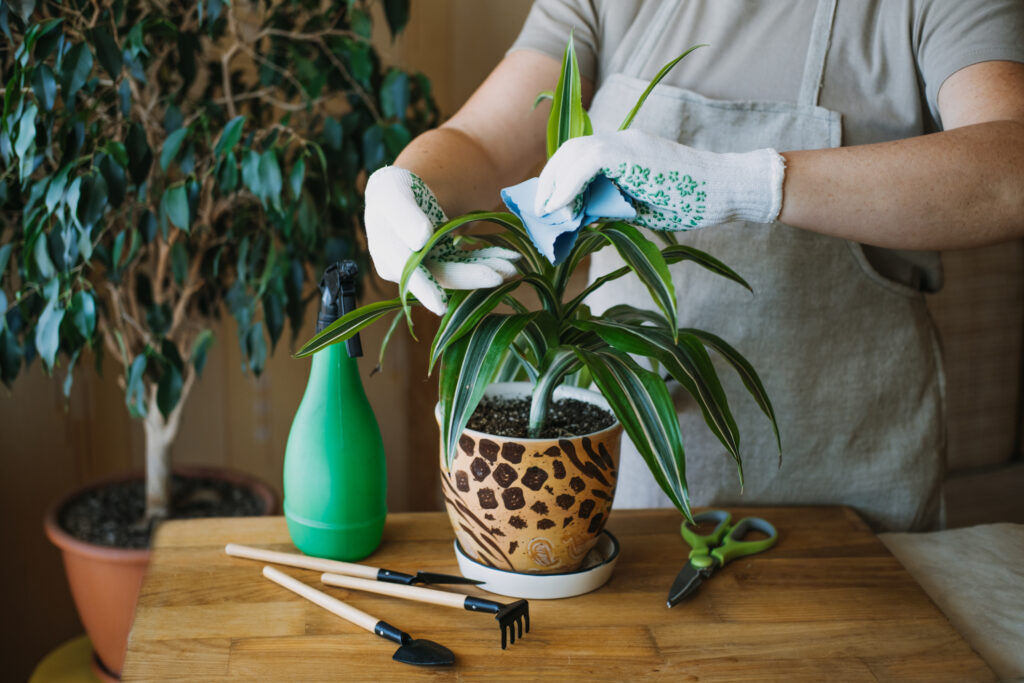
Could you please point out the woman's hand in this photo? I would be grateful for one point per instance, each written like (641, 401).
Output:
(673, 187)
(401, 215)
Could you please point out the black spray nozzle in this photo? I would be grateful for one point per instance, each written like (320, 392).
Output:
(338, 297)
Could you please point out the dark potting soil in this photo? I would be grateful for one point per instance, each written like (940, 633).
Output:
(566, 417)
(110, 515)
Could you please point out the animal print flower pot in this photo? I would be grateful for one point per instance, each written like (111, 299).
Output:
(532, 505)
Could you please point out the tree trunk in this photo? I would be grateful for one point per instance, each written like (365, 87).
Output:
(160, 435)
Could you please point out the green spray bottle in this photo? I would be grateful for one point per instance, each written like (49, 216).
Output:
(335, 479)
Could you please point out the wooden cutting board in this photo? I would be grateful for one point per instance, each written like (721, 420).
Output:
(828, 602)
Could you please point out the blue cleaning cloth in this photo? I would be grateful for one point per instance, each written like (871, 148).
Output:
(555, 233)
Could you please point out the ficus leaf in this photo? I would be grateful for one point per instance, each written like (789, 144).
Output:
(171, 146)
(75, 71)
(174, 204)
(107, 51)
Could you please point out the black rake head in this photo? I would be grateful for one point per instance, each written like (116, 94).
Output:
(512, 617)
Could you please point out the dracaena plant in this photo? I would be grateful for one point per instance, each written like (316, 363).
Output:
(561, 341)
(165, 163)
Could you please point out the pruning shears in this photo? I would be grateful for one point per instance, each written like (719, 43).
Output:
(710, 552)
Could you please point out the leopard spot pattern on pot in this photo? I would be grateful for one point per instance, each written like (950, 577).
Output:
(531, 505)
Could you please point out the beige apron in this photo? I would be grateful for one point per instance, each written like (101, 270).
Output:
(849, 358)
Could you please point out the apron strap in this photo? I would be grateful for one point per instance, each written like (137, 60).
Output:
(817, 50)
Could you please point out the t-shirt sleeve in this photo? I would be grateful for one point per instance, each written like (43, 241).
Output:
(549, 24)
(953, 34)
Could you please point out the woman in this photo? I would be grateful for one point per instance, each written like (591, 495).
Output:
(835, 145)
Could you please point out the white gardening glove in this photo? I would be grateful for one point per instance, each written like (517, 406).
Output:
(401, 215)
(674, 187)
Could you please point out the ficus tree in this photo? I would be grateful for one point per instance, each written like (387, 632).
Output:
(163, 162)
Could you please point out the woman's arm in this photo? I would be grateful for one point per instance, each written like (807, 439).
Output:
(959, 188)
(493, 141)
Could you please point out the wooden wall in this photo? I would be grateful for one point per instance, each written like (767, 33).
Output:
(49, 446)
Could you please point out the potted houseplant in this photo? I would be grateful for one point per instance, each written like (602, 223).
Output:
(537, 501)
(163, 163)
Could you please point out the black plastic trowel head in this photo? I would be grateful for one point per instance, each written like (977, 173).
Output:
(415, 651)
(338, 297)
(422, 652)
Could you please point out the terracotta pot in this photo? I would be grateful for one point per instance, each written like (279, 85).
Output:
(105, 581)
(532, 505)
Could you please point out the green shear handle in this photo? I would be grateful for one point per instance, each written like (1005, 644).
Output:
(726, 543)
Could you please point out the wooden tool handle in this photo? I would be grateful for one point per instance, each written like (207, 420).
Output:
(332, 605)
(431, 595)
(318, 564)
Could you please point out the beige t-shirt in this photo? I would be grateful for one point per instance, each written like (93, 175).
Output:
(884, 68)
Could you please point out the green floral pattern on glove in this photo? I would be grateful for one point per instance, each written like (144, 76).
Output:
(664, 200)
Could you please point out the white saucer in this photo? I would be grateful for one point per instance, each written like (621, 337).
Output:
(595, 572)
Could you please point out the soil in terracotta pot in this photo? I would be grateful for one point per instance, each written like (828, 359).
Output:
(567, 417)
(110, 515)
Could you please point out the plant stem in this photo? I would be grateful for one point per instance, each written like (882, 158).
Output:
(539, 404)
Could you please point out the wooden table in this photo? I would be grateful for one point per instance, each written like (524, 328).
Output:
(827, 603)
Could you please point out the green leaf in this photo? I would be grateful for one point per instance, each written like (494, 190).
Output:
(394, 94)
(5, 255)
(230, 136)
(643, 405)
(746, 373)
(26, 136)
(541, 96)
(681, 252)
(465, 310)
(47, 335)
(41, 257)
(168, 390)
(83, 313)
(55, 190)
(361, 24)
(396, 12)
(644, 258)
(117, 151)
(227, 173)
(334, 134)
(417, 257)
(563, 361)
(124, 93)
(93, 200)
(140, 156)
(567, 119)
(374, 152)
(44, 85)
(467, 367)
(296, 177)
(251, 172)
(10, 356)
(114, 176)
(256, 348)
(174, 204)
(75, 71)
(687, 362)
(23, 8)
(107, 51)
(135, 388)
(200, 347)
(386, 340)
(179, 263)
(171, 147)
(348, 325)
(650, 86)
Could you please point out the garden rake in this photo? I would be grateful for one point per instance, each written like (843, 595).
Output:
(513, 619)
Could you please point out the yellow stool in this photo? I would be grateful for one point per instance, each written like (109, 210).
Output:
(70, 662)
